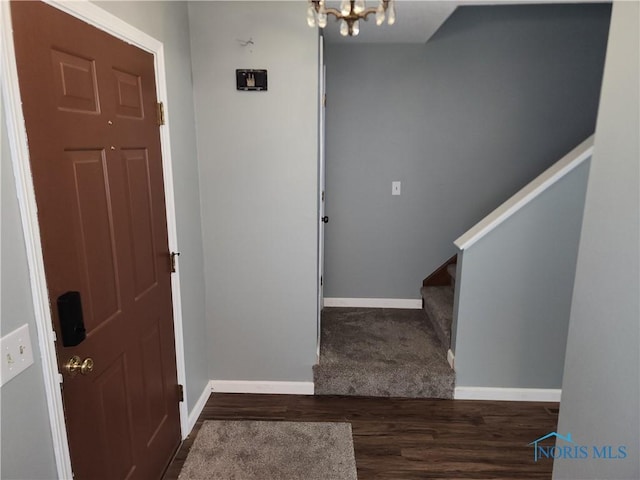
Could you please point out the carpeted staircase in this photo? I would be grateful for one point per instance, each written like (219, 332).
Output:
(381, 353)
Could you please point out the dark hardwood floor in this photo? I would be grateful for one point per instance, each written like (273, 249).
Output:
(404, 439)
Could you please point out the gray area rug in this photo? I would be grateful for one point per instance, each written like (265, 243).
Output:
(381, 353)
(257, 450)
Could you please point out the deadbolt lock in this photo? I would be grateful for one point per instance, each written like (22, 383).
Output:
(76, 365)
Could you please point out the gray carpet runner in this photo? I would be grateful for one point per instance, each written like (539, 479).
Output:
(438, 305)
(381, 353)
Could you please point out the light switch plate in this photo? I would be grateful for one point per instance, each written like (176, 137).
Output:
(17, 354)
(395, 188)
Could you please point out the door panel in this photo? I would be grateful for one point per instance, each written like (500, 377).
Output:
(117, 425)
(129, 101)
(89, 104)
(151, 348)
(140, 213)
(95, 247)
(76, 86)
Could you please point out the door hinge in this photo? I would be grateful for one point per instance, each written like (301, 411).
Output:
(323, 195)
(172, 257)
(180, 393)
(321, 281)
(160, 113)
(324, 100)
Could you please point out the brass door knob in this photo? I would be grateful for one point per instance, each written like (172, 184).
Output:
(76, 365)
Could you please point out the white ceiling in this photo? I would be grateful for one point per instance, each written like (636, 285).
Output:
(417, 20)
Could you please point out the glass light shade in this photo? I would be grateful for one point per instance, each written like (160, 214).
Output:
(311, 16)
(345, 7)
(391, 11)
(380, 14)
(344, 28)
(359, 6)
(355, 29)
(322, 19)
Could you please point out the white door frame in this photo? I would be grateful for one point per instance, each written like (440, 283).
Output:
(111, 24)
(321, 187)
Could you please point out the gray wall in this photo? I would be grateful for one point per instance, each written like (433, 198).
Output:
(600, 394)
(258, 181)
(169, 23)
(27, 447)
(28, 452)
(515, 292)
(494, 98)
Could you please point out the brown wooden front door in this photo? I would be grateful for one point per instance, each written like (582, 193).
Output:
(89, 102)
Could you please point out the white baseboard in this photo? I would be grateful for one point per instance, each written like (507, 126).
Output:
(510, 394)
(451, 359)
(409, 303)
(197, 409)
(306, 388)
(244, 386)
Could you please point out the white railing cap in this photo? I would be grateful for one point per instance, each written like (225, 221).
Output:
(550, 176)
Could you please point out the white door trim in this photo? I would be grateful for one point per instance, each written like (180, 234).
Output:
(321, 187)
(111, 24)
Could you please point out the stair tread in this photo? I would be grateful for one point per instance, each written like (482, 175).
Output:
(381, 353)
(451, 270)
(438, 305)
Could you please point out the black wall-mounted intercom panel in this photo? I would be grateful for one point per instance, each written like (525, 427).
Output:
(71, 320)
(251, 80)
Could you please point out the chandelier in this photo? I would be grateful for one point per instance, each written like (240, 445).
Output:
(350, 14)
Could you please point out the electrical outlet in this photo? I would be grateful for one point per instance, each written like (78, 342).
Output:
(17, 354)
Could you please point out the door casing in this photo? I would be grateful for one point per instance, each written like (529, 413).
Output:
(322, 91)
(99, 18)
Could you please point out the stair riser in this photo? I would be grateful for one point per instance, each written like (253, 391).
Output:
(391, 383)
(451, 270)
(438, 306)
(443, 336)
